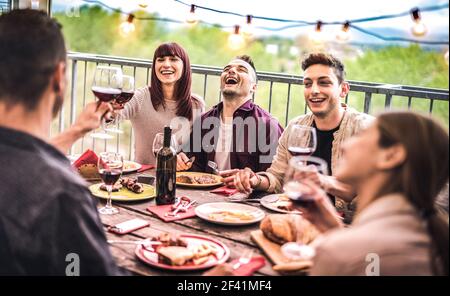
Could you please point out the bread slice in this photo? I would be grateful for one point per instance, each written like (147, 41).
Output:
(175, 255)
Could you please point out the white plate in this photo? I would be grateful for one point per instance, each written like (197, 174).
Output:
(270, 202)
(130, 166)
(210, 212)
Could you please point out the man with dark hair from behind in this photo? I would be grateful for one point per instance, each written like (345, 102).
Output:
(46, 211)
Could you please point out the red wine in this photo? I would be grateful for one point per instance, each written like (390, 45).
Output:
(298, 151)
(166, 169)
(106, 94)
(109, 176)
(293, 191)
(124, 97)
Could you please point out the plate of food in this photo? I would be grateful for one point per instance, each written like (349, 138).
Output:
(183, 252)
(130, 166)
(198, 180)
(229, 213)
(279, 203)
(126, 189)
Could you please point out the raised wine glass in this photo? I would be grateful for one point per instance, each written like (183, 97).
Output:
(299, 168)
(302, 140)
(106, 87)
(126, 94)
(110, 166)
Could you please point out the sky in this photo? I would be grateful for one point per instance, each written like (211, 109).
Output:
(312, 10)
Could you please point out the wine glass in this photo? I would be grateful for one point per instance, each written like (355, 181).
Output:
(126, 94)
(299, 168)
(302, 140)
(110, 166)
(158, 143)
(106, 87)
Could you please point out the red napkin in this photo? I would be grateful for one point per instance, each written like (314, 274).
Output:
(145, 167)
(88, 157)
(224, 190)
(248, 269)
(160, 211)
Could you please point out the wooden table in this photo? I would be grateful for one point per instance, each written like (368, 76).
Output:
(237, 238)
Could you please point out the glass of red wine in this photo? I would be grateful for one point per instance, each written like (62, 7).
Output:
(127, 92)
(301, 168)
(110, 166)
(302, 140)
(107, 86)
(158, 143)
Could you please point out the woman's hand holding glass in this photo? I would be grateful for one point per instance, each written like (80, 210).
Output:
(127, 92)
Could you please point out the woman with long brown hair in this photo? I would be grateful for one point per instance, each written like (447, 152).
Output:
(397, 166)
(167, 101)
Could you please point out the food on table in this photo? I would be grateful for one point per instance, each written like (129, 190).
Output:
(132, 185)
(89, 171)
(174, 255)
(129, 183)
(201, 179)
(129, 166)
(204, 250)
(116, 187)
(169, 239)
(231, 216)
(283, 203)
(287, 228)
(175, 250)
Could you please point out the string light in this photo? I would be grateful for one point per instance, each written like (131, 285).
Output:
(344, 35)
(419, 29)
(299, 23)
(317, 36)
(127, 27)
(191, 18)
(247, 30)
(236, 40)
(34, 4)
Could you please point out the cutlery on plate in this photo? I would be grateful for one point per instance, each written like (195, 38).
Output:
(214, 167)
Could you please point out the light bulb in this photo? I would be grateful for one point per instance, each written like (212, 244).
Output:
(127, 27)
(317, 36)
(236, 40)
(191, 18)
(247, 29)
(143, 4)
(344, 35)
(419, 29)
(34, 4)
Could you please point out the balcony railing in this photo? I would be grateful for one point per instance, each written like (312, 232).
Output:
(278, 93)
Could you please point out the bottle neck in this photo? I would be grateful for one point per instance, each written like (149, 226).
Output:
(167, 136)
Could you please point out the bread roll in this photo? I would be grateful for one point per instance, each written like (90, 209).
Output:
(281, 229)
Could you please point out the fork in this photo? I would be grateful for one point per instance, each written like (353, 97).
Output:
(244, 259)
(214, 167)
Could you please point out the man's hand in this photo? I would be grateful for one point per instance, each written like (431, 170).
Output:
(245, 180)
(228, 177)
(91, 116)
(183, 162)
